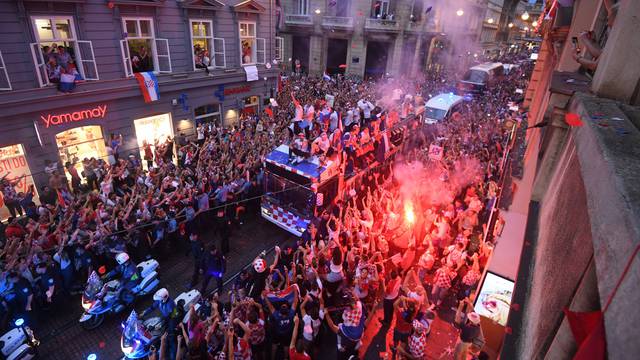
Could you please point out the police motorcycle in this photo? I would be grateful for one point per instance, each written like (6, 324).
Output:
(19, 343)
(100, 298)
(139, 336)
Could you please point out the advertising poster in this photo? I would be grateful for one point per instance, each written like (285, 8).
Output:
(494, 300)
(13, 166)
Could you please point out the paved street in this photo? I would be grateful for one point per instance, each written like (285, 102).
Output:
(63, 339)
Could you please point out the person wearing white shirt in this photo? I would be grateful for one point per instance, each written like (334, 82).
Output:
(366, 108)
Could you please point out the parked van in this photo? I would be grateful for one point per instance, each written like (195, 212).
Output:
(440, 107)
(480, 77)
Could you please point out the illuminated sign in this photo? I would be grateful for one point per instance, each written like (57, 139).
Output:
(96, 113)
(238, 90)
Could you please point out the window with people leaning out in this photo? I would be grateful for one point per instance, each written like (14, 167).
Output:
(252, 49)
(141, 50)
(208, 51)
(59, 57)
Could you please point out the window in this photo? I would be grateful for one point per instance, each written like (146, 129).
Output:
(279, 48)
(252, 50)
(14, 168)
(141, 50)
(251, 104)
(302, 7)
(57, 51)
(207, 114)
(5, 83)
(208, 51)
(381, 9)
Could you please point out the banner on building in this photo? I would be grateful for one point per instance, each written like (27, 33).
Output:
(252, 73)
(148, 86)
(435, 152)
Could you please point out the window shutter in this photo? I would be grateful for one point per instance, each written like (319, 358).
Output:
(5, 82)
(41, 67)
(88, 61)
(164, 56)
(219, 53)
(260, 51)
(126, 58)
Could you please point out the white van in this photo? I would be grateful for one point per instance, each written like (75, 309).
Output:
(440, 107)
(480, 77)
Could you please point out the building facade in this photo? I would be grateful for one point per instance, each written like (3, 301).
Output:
(202, 53)
(374, 37)
(579, 192)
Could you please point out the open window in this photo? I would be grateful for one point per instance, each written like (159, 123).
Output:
(208, 51)
(57, 51)
(279, 48)
(5, 82)
(141, 50)
(252, 50)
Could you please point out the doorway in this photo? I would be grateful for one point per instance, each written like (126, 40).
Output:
(300, 51)
(153, 129)
(377, 56)
(337, 56)
(77, 144)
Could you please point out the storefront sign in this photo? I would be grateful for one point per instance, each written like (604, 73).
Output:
(96, 113)
(237, 90)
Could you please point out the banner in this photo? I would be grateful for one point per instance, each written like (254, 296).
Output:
(148, 86)
(287, 295)
(330, 99)
(435, 152)
(252, 73)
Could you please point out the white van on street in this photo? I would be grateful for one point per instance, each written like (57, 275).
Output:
(440, 107)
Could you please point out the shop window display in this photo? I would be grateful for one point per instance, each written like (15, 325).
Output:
(207, 114)
(81, 143)
(151, 132)
(15, 172)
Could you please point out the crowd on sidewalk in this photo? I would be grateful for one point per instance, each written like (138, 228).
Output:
(367, 250)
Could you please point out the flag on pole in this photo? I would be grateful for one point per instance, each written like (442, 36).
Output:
(269, 112)
(148, 86)
(326, 76)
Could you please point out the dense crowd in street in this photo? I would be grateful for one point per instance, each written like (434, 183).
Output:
(407, 238)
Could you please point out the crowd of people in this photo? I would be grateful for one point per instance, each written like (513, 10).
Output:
(366, 250)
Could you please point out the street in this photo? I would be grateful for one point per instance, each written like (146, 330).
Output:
(60, 333)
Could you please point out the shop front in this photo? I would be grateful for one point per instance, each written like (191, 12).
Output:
(80, 143)
(15, 169)
(153, 130)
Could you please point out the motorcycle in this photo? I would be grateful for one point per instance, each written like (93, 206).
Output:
(19, 343)
(139, 336)
(100, 299)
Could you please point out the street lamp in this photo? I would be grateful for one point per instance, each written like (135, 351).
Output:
(534, 24)
(525, 16)
(526, 28)
(460, 12)
(510, 25)
(490, 21)
(317, 11)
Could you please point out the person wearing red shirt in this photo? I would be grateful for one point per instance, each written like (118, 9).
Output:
(296, 347)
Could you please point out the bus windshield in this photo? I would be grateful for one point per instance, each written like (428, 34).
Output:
(475, 76)
(289, 195)
(436, 114)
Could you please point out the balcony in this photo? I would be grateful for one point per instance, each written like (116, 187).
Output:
(338, 22)
(382, 25)
(298, 20)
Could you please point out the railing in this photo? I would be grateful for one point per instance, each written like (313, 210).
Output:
(382, 24)
(292, 19)
(337, 21)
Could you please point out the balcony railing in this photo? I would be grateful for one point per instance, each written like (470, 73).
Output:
(381, 25)
(338, 22)
(295, 19)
